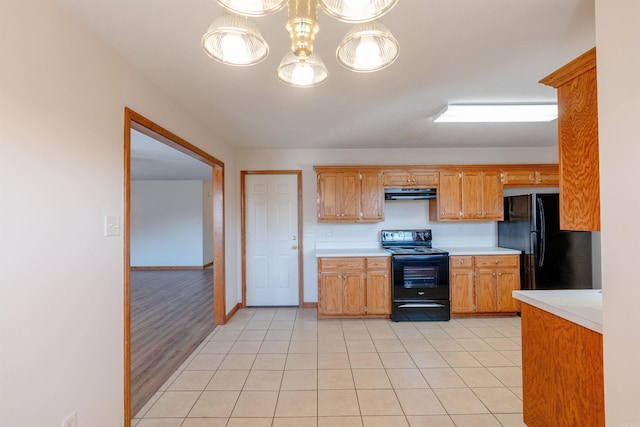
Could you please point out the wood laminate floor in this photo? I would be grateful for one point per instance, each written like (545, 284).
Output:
(171, 313)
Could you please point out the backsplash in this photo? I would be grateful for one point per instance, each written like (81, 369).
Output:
(407, 215)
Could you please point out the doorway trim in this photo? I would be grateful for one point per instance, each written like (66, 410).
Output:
(133, 120)
(243, 225)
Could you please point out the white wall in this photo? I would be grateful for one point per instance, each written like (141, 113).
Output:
(62, 99)
(207, 222)
(397, 214)
(618, 58)
(167, 224)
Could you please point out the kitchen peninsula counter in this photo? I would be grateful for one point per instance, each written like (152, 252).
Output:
(562, 361)
(580, 306)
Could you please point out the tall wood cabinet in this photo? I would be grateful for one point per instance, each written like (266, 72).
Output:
(484, 283)
(469, 194)
(578, 142)
(354, 287)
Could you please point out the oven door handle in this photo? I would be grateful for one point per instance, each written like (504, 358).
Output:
(422, 305)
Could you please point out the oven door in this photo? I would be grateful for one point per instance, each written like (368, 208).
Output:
(420, 277)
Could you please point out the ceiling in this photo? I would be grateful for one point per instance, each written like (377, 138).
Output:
(451, 51)
(154, 160)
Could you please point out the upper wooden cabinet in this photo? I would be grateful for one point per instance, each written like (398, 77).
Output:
(415, 178)
(469, 194)
(530, 176)
(578, 142)
(349, 195)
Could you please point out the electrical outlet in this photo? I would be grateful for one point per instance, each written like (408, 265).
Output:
(71, 420)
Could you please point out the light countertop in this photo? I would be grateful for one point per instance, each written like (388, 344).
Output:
(359, 249)
(481, 250)
(580, 306)
(342, 252)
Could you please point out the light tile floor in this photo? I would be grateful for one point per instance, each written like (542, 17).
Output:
(281, 367)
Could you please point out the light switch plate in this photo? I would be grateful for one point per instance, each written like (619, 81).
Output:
(111, 226)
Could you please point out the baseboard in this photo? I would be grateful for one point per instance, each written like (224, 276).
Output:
(232, 312)
(309, 305)
(168, 268)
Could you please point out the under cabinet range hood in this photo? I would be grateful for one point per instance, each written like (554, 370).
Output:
(409, 193)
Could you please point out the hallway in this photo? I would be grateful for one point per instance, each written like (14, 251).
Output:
(171, 313)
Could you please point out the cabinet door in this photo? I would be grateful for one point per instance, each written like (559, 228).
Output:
(330, 294)
(486, 290)
(349, 195)
(372, 197)
(472, 195)
(449, 196)
(424, 178)
(397, 179)
(492, 196)
(520, 177)
(328, 197)
(462, 290)
(508, 281)
(548, 176)
(378, 292)
(353, 293)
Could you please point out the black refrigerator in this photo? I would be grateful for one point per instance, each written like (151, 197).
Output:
(551, 258)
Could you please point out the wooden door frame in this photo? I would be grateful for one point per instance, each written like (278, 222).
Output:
(243, 174)
(133, 120)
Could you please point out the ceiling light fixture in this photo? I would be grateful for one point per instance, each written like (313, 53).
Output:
(497, 113)
(232, 39)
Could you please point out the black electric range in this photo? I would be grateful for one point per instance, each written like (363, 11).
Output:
(419, 276)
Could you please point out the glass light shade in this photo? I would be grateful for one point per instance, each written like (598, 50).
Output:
(232, 39)
(302, 71)
(497, 113)
(368, 47)
(357, 10)
(253, 7)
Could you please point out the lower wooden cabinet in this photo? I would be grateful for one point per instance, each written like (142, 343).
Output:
(484, 283)
(354, 287)
(562, 372)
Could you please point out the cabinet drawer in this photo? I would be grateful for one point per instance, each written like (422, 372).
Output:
(460, 261)
(341, 263)
(380, 262)
(497, 260)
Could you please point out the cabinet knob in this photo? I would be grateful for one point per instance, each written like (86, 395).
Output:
(496, 261)
(408, 180)
(500, 274)
(461, 261)
(494, 274)
(294, 247)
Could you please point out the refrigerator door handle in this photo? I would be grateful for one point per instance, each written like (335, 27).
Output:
(542, 232)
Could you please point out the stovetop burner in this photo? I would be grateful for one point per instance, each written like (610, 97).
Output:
(408, 242)
(415, 251)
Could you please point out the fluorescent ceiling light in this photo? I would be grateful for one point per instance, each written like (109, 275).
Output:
(497, 113)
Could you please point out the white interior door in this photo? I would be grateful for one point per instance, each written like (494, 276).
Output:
(271, 240)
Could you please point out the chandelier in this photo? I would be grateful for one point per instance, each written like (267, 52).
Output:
(369, 46)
